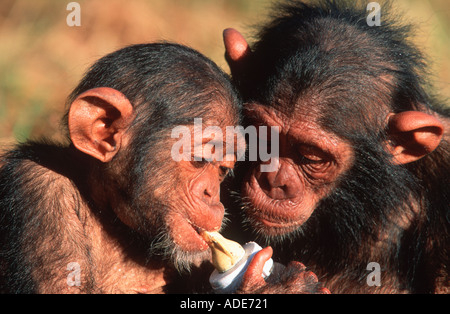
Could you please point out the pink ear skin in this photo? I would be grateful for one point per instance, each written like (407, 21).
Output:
(236, 49)
(413, 135)
(97, 122)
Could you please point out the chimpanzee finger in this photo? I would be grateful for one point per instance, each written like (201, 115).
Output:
(296, 265)
(253, 276)
(323, 291)
(236, 48)
(293, 269)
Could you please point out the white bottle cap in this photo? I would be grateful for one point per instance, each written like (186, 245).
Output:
(230, 280)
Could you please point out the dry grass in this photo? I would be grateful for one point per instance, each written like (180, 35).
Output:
(42, 58)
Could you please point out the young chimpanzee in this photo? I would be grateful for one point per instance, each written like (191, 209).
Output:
(107, 211)
(361, 192)
(111, 211)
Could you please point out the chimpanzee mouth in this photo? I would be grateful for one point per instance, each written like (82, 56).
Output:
(198, 231)
(268, 219)
(271, 216)
(269, 225)
(186, 235)
(277, 223)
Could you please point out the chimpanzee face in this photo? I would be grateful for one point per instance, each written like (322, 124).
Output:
(181, 196)
(310, 160)
(162, 143)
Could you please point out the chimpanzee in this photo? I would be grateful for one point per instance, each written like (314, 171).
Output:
(361, 192)
(108, 211)
(113, 198)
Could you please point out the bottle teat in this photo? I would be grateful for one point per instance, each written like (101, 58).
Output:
(225, 253)
(231, 261)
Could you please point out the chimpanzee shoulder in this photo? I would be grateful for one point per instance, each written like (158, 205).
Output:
(38, 210)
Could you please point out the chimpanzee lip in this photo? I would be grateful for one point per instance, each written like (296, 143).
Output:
(276, 216)
(198, 231)
(263, 218)
(278, 223)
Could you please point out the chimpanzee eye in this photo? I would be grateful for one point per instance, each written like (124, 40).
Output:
(224, 171)
(314, 161)
(311, 159)
(318, 167)
(311, 155)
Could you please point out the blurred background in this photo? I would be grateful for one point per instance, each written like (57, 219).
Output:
(42, 58)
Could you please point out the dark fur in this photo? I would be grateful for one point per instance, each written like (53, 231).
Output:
(328, 51)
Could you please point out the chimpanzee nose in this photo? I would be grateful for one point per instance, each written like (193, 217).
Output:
(208, 196)
(206, 188)
(211, 195)
(209, 210)
(279, 184)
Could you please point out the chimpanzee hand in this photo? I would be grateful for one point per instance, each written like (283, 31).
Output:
(293, 279)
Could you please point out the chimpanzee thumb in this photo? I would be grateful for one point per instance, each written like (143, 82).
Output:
(253, 278)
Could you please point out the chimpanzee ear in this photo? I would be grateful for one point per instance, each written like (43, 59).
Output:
(97, 121)
(236, 49)
(413, 134)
